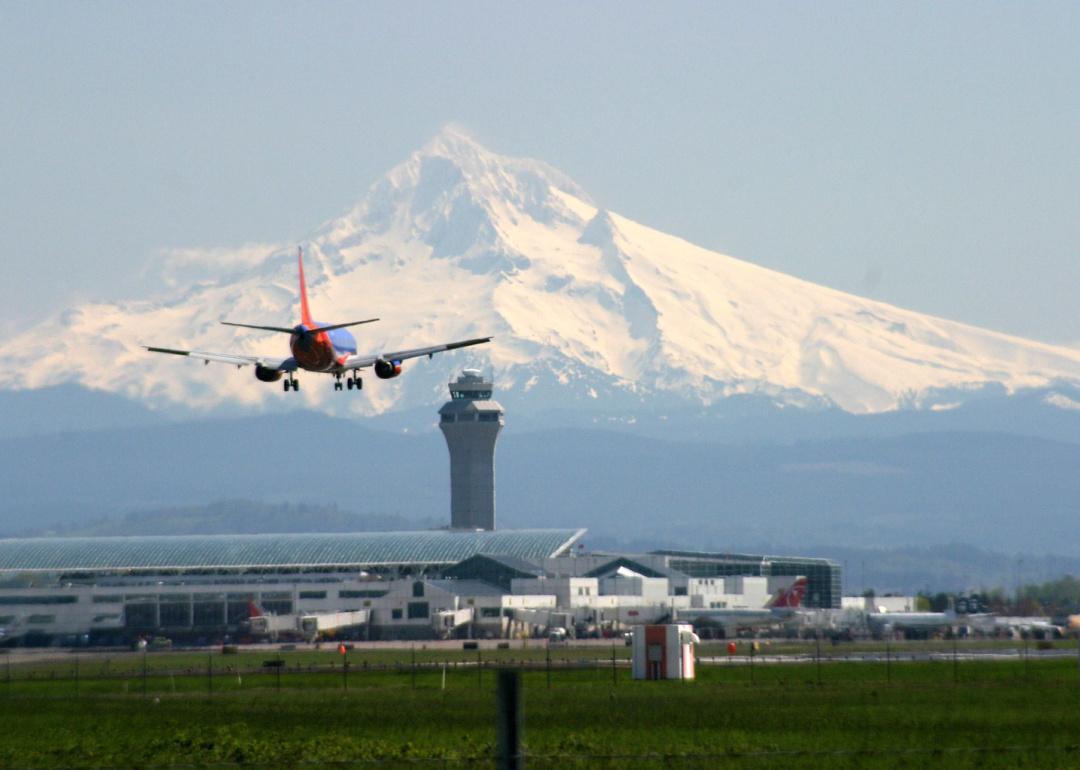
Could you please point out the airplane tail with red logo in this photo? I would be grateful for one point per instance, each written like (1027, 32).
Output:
(254, 610)
(790, 597)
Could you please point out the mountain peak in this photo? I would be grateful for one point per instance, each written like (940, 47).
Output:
(465, 202)
(453, 141)
(460, 157)
(587, 306)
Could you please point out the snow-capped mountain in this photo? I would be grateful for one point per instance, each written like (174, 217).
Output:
(585, 306)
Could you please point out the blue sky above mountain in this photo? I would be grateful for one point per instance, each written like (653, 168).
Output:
(917, 153)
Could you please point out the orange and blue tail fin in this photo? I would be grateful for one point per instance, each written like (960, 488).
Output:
(305, 309)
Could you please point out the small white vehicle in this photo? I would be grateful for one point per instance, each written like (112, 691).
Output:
(557, 634)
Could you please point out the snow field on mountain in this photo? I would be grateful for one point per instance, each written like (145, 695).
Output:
(459, 242)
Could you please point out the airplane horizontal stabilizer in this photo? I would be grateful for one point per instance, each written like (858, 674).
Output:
(314, 330)
(342, 326)
(264, 328)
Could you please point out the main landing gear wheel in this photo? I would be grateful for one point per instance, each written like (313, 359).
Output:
(290, 384)
(354, 382)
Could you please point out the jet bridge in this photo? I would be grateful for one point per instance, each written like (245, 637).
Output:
(309, 627)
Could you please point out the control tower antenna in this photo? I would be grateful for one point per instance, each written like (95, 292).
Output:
(471, 422)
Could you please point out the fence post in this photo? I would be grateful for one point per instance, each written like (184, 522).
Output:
(479, 667)
(144, 672)
(955, 660)
(888, 661)
(817, 656)
(614, 671)
(414, 666)
(210, 672)
(510, 721)
(548, 660)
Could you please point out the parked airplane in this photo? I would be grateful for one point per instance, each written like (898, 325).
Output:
(784, 604)
(1040, 627)
(882, 623)
(319, 347)
(14, 629)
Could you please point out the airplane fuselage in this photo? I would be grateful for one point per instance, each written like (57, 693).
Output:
(911, 620)
(321, 352)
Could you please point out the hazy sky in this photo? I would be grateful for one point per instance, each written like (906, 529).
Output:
(925, 154)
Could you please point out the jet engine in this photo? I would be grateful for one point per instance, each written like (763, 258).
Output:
(386, 370)
(266, 374)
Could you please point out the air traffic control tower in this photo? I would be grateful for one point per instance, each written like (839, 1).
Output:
(471, 422)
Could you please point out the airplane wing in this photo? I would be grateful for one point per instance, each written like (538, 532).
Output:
(279, 364)
(360, 362)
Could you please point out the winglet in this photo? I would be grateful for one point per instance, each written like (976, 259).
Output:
(305, 310)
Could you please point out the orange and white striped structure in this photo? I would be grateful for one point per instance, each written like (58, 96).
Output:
(664, 652)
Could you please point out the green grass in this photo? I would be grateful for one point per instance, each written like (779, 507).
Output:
(910, 714)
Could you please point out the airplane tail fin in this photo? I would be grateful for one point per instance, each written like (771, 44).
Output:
(791, 596)
(254, 610)
(305, 310)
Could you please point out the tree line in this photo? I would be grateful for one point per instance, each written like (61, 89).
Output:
(1054, 598)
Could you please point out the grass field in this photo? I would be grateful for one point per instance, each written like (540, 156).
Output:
(583, 713)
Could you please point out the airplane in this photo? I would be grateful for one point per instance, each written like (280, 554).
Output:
(784, 604)
(884, 623)
(14, 630)
(318, 347)
(1040, 627)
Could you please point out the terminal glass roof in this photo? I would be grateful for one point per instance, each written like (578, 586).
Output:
(354, 549)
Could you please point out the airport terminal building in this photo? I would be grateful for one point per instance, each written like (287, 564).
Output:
(405, 585)
(118, 588)
(468, 580)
